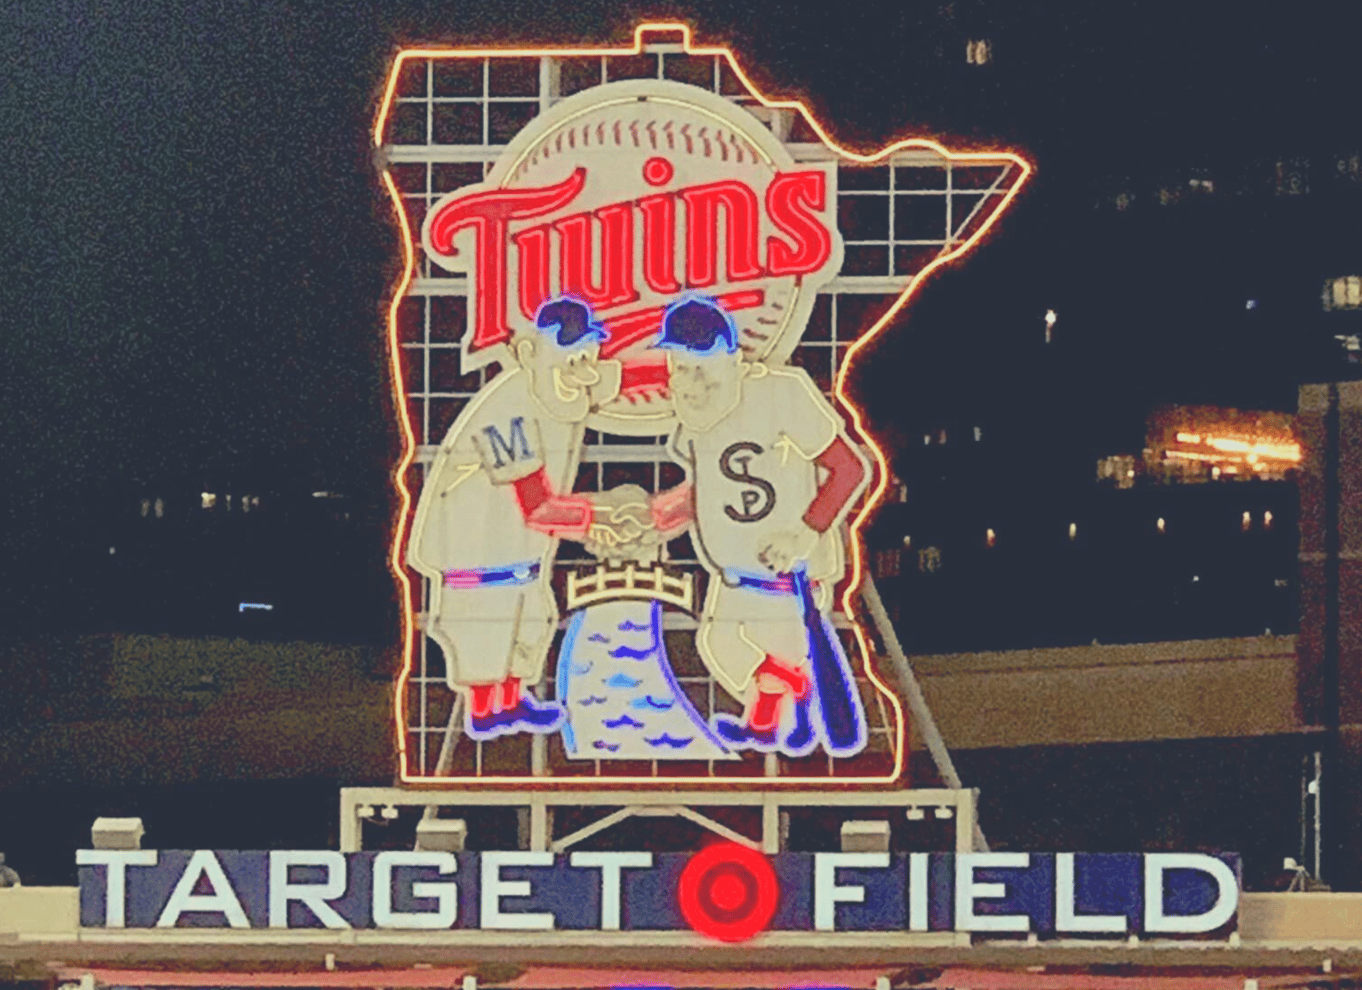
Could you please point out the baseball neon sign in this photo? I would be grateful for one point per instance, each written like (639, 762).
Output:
(642, 260)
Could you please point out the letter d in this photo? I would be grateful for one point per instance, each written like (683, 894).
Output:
(1226, 903)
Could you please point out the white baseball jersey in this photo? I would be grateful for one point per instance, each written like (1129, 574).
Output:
(468, 516)
(754, 472)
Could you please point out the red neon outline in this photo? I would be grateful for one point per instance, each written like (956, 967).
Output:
(702, 232)
(489, 214)
(641, 376)
(659, 242)
(533, 247)
(657, 171)
(617, 256)
(857, 420)
(813, 243)
(723, 861)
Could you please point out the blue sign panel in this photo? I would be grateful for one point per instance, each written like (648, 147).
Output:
(1163, 894)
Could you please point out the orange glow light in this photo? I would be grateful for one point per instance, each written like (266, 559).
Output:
(1252, 448)
(1007, 159)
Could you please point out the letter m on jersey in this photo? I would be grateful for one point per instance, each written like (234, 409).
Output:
(516, 448)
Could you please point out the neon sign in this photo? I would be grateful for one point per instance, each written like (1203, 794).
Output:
(794, 203)
(642, 260)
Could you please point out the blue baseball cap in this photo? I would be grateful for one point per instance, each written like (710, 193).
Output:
(700, 326)
(569, 322)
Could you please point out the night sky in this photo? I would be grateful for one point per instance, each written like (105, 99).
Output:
(196, 252)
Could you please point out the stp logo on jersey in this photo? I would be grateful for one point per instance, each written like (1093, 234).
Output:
(629, 196)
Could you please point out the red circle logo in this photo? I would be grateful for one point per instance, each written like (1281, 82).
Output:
(728, 892)
(658, 171)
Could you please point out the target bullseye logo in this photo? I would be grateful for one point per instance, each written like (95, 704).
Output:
(728, 892)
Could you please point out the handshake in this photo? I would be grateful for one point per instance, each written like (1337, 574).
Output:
(622, 526)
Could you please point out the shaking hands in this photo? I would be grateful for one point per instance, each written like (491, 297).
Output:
(622, 526)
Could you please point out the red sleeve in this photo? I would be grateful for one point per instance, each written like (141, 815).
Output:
(557, 515)
(673, 508)
(846, 471)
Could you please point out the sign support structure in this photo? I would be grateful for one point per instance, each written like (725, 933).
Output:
(360, 804)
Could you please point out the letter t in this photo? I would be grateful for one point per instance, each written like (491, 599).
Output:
(611, 863)
(116, 863)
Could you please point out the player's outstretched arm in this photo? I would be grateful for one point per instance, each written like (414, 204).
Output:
(563, 516)
(673, 510)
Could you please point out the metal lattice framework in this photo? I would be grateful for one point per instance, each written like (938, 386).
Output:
(445, 121)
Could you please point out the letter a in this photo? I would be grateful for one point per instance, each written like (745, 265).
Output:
(221, 900)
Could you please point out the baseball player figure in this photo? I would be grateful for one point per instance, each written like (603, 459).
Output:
(770, 475)
(492, 510)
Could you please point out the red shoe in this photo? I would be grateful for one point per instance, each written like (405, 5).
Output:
(796, 680)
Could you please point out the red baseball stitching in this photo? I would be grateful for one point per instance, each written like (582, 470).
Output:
(611, 132)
